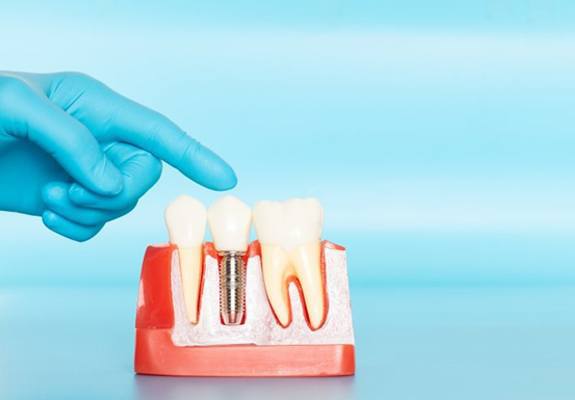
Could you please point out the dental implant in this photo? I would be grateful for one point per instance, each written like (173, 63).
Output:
(232, 287)
(230, 221)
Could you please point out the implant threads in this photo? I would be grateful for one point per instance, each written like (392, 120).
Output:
(232, 287)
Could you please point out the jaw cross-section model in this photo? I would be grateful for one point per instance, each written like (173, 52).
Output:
(278, 306)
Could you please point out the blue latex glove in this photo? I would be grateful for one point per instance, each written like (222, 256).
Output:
(80, 155)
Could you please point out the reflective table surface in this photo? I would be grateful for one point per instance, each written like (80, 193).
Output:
(412, 342)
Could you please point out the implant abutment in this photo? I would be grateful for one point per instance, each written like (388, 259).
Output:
(232, 287)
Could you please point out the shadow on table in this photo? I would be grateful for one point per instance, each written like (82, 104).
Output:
(183, 388)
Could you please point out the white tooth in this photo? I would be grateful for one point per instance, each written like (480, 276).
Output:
(289, 233)
(186, 221)
(230, 221)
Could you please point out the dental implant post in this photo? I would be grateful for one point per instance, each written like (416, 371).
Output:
(230, 221)
(232, 287)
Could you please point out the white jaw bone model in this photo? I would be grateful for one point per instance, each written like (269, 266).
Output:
(291, 264)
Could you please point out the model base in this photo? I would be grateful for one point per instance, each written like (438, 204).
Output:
(157, 355)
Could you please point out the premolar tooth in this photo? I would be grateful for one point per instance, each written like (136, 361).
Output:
(186, 221)
(289, 233)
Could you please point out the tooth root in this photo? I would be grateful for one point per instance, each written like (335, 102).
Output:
(191, 269)
(306, 261)
(276, 272)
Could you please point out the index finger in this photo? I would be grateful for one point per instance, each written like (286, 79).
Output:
(158, 135)
(102, 109)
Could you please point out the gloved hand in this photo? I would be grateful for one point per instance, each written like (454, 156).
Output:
(80, 155)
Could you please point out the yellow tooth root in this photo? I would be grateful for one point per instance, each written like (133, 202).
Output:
(279, 267)
(306, 261)
(276, 270)
(191, 269)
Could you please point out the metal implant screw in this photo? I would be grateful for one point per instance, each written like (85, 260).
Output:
(232, 287)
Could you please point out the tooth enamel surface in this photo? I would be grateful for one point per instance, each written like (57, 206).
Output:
(186, 221)
(230, 221)
(289, 233)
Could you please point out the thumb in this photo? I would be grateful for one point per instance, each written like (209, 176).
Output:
(27, 114)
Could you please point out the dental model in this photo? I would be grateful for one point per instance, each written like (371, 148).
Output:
(278, 306)
(230, 222)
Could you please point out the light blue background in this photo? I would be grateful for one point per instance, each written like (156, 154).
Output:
(438, 135)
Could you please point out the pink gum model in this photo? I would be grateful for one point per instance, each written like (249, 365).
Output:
(167, 344)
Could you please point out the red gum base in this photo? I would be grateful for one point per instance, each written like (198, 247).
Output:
(156, 354)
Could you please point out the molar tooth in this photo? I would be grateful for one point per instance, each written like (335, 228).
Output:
(289, 234)
(186, 221)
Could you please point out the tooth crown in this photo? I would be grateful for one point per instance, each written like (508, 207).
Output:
(289, 224)
(230, 221)
(186, 221)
